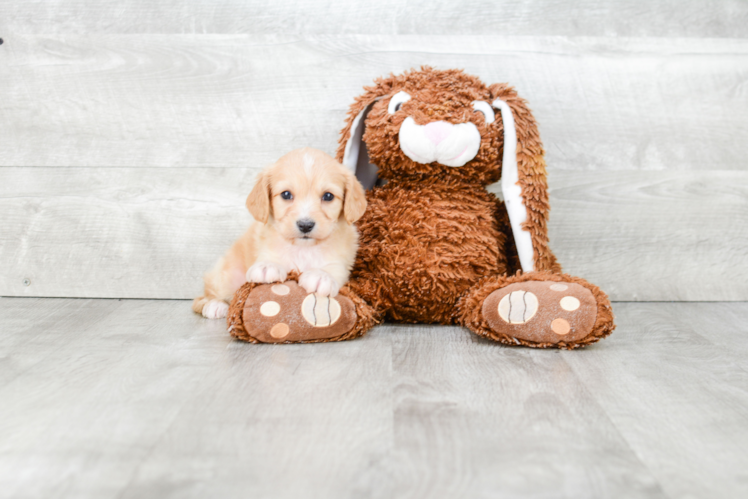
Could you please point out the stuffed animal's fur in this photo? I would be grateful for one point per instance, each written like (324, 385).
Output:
(435, 246)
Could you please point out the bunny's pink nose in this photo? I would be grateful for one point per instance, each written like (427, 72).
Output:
(437, 131)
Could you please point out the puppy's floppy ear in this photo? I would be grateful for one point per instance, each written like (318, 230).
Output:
(354, 204)
(258, 201)
(523, 181)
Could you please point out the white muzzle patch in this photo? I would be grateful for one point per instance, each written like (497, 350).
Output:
(446, 143)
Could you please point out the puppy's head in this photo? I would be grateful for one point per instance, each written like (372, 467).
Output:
(305, 194)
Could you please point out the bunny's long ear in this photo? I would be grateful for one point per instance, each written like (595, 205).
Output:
(352, 150)
(523, 181)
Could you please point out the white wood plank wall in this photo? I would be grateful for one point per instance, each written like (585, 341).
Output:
(131, 131)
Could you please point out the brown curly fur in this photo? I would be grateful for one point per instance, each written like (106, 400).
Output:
(447, 95)
(419, 253)
(366, 316)
(434, 244)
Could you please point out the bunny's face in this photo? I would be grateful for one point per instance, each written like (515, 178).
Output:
(435, 124)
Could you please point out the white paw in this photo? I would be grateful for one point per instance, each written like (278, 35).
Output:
(319, 282)
(266, 272)
(215, 309)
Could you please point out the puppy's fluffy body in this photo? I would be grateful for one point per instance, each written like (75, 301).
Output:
(304, 208)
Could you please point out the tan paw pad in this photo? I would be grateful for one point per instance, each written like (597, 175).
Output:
(535, 311)
(270, 308)
(569, 303)
(560, 326)
(518, 307)
(279, 331)
(287, 313)
(320, 311)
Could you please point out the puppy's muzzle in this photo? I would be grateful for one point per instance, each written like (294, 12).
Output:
(305, 225)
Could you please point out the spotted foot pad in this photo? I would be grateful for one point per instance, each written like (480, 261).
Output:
(548, 312)
(287, 313)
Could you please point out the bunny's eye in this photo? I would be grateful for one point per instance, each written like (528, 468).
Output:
(397, 101)
(485, 108)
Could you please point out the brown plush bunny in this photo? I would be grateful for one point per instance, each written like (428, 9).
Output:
(435, 246)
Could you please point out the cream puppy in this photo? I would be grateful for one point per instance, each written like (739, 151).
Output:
(304, 208)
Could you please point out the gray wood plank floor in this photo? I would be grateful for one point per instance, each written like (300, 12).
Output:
(142, 398)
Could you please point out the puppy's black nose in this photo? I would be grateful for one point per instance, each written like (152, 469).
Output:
(305, 225)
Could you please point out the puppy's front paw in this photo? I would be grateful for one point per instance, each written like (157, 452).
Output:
(266, 272)
(319, 282)
(215, 309)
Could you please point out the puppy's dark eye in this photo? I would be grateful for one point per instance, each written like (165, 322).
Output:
(328, 197)
(286, 195)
